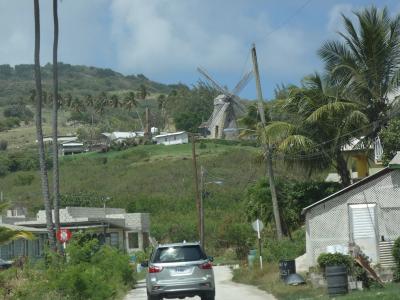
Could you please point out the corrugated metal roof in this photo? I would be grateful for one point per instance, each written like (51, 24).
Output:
(169, 134)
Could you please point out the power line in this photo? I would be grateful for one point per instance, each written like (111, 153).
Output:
(288, 19)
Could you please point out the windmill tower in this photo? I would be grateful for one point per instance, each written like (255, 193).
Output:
(222, 124)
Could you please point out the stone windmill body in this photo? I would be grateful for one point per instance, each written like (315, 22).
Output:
(222, 124)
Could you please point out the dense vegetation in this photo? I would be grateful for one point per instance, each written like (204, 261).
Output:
(91, 271)
(79, 81)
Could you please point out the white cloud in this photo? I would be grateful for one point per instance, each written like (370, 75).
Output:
(162, 36)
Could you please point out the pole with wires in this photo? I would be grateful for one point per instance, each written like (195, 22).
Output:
(267, 147)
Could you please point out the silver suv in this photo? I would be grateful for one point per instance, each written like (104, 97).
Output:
(178, 271)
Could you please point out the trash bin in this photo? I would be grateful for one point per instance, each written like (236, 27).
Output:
(251, 258)
(336, 278)
(287, 267)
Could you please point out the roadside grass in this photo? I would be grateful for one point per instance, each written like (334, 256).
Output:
(268, 280)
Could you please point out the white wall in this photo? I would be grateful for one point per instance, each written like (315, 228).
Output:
(173, 139)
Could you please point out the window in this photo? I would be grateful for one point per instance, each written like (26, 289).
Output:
(114, 239)
(174, 137)
(179, 254)
(166, 139)
(145, 240)
(133, 240)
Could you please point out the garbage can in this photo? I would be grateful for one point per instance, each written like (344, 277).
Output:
(336, 278)
(287, 267)
(251, 257)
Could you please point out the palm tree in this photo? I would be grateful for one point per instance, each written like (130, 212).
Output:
(39, 130)
(114, 101)
(101, 102)
(325, 122)
(56, 172)
(89, 101)
(7, 234)
(162, 101)
(367, 62)
(131, 103)
(143, 92)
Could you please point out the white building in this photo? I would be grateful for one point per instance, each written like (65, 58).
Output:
(365, 215)
(173, 138)
(120, 136)
(71, 147)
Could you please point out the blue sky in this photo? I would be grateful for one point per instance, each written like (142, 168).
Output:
(167, 39)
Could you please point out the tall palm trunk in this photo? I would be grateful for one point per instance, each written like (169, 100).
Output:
(342, 169)
(56, 173)
(39, 130)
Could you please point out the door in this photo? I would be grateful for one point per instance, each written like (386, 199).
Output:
(363, 228)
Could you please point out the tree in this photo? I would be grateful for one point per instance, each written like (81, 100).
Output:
(56, 172)
(323, 123)
(39, 130)
(143, 92)
(390, 137)
(131, 103)
(190, 107)
(114, 101)
(161, 101)
(89, 101)
(367, 63)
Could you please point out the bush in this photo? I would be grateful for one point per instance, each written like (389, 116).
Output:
(24, 179)
(3, 145)
(396, 255)
(20, 112)
(91, 271)
(334, 259)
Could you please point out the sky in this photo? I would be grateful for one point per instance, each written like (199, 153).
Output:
(166, 40)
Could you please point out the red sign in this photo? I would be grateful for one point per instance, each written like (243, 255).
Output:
(63, 235)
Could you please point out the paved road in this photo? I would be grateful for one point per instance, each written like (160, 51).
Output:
(225, 288)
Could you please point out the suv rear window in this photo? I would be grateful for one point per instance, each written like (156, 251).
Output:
(179, 254)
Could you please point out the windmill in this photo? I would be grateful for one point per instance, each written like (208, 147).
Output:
(227, 108)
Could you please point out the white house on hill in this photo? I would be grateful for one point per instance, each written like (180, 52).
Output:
(365, 215)
(173, 138)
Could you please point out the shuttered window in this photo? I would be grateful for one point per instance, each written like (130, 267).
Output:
(133, 240)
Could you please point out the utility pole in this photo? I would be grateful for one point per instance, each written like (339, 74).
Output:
(267, 147)
(202, 177)
(196, 184)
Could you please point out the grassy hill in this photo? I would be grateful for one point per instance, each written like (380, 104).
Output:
(156, 179)
(17, 82)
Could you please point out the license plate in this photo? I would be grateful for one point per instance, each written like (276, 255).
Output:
(181, 270)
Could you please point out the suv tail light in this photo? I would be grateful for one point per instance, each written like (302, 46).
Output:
(155, 269)
(206, 266)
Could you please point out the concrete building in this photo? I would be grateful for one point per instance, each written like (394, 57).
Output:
(127, 231)
(365, 215)
(71, 148)
(173, 138)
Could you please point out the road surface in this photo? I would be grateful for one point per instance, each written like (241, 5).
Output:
(225, 289)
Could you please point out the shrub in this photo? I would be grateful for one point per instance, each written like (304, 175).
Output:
(24, 179)
(334, 259)
(19, 112)
(3, 145)
(396, 255)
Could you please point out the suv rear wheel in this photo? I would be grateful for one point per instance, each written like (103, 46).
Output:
(208, 296)
(150, 297)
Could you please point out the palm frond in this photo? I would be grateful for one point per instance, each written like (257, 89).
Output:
(277, 131)
(331, 109)
(296, 143)
(7, 235)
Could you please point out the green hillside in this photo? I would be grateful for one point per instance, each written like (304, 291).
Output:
(156, 179)
(17, 82)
